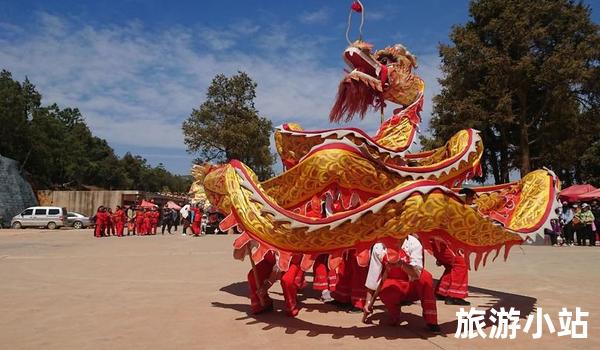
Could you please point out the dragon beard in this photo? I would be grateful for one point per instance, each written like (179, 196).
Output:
(353, 97)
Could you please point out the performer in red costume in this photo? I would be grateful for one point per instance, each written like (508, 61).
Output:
(154, 218)
(139, 221)
(267, 273)
(406, 280)
(454, 283)
(196, 224)
(110, 223)
(147, 222)
(350, 287)
(101, 221)
(350, 279)
(325, 280)
(119, 219)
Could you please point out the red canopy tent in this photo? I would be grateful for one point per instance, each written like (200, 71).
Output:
(146, 204)
(595, 194)
(574, 193)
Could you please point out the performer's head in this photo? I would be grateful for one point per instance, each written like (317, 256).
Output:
(585, 207)
(469, 194)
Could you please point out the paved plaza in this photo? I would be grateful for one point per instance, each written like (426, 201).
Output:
(65, 290)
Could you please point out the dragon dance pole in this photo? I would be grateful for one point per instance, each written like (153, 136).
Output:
(256, 279)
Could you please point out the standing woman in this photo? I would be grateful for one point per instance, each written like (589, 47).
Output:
(587, 224)
(154, 218)
(167, 220)
(197, 220)
(119, 221)
(110, 223)
(100, 222)
(175, 218)
(130, 220)
(139, 221)
(185, 218)
(147, 221)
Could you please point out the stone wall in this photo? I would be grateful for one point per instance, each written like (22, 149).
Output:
(15, 192)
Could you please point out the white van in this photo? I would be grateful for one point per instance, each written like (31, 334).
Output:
(50, 217)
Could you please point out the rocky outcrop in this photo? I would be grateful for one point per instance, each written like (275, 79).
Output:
(15, 192)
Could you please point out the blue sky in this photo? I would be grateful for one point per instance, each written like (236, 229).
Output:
(136, 69)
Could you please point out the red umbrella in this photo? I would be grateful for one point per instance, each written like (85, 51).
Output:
(595, 194)
(146, 204)
(574, 193)
(173, 205)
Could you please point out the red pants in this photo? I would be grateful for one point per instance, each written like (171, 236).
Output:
(139, 227)
(397, 288)
(147, 227)
(100, 228)
(324, 279)
(263, 270)
(120, 227)
(196, 229)
(350, 287)
(454, 282)
(291, 280)
(154, 226)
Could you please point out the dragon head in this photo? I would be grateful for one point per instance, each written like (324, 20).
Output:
(211, 180)
(376, 77)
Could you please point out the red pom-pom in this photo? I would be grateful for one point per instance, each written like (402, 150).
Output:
(356, 6)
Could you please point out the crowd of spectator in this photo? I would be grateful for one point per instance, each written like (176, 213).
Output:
(577, 224)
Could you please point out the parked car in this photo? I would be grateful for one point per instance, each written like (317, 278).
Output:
(77, 220)
(50, 217)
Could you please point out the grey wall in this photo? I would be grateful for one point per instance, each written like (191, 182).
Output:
(15, 192)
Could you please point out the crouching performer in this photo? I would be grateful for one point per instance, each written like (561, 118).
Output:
(405, 281)
(267, 273)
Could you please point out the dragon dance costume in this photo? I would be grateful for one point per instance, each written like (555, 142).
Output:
(383, 191)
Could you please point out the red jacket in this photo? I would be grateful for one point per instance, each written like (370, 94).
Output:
(119, 216)
(101, 218)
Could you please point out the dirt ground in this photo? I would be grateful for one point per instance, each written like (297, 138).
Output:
(65, 290)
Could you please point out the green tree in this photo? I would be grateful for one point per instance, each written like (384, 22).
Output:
(227, 126)
(58, 150)
(18, 102)
(590, 165)
(525, 73)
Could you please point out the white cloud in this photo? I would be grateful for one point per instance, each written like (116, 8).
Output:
(375, 15)
(135, 86)
(429, 71)
(316, 17)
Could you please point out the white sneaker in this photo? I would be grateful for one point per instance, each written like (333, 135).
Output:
(326, 296)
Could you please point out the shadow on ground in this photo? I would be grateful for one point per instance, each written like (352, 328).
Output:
(412, 324)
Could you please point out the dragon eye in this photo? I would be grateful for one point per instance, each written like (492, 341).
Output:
(386, 59)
